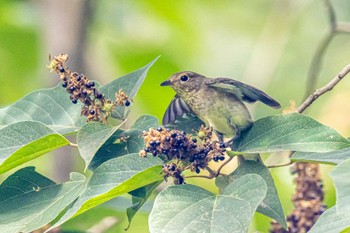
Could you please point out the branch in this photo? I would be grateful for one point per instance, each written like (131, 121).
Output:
(324, 89)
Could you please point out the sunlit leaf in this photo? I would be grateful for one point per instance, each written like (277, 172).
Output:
(292, 132)
(29, 200)
(113, 178)
(25, 141)
(130, 84)
(51, 106)
(332, 157)
(188, 208)
(271, 205)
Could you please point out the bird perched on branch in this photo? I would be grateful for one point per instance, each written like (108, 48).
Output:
(218, 102)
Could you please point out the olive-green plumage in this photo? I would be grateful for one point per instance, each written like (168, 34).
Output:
(217, 102)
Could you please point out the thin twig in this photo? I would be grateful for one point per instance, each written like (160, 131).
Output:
(317, 59)
(199, 176)
(280, 165)
(73, 144)
(324, 89)
(222, 165)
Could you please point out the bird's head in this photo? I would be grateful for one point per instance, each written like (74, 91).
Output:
(184, 82)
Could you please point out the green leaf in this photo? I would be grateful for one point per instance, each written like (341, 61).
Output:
(113, 178)
(30, 201)
(91, 138)
(188, 208)
(271, 205)
(25, 141)
(145, 122)
(52, 107)
(332, 157)
(331, 222)
(187, 123)
(130, 84)
(292, 132)
(340, 175)
(139, 197)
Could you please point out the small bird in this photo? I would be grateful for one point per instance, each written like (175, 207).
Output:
(218, 102)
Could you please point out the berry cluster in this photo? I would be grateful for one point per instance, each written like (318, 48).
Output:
(307, 200)
(183, 150)
(95, 106)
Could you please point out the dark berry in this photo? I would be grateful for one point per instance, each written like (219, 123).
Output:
(92, 84)
(222, 158)
(127, 103)
(87, 85)
(206, 151)
(98, 95)
(191, 159)
(165, 152)
(74, 101)
(222, 145)
(180, 180)
(197, 170)
(154, 153)
(173, 135)
(174, 150)
(160, 129)
(216, 158)
(64, 84)
(146, 149)
(61, 69)
(167, 139)
(194, 140)
(181, 145)
(92, 112)
(78, 78)
(84, 92)
(172, 168)
(152, 143)
(157, 143)
(72, 88)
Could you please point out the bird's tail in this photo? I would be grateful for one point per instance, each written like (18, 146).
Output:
(255, 157)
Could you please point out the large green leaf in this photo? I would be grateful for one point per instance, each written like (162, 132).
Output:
(29, 201)
(292, 132)
(188, 208)
(332, 157)
(112, 143)
(271, 205)
(130, 84)
(91, 137)
(51, 106)
(24, 141)
(113, 178)
(187, 123)
(145, 122)
(139, 197)
(331, 222)
(340, 175)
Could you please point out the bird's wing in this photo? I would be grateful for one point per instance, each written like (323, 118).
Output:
(243, 91)
(176, 108)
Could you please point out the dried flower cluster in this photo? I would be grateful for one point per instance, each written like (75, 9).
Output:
(95, 106)
(184, 151)
(307, 200)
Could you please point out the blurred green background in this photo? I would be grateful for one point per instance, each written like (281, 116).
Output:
(266, 43)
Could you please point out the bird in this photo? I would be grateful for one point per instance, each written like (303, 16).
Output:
(218, 102)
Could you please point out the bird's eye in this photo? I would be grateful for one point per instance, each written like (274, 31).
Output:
(184, 78)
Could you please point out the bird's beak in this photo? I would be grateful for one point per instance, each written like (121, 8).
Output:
(166, 83)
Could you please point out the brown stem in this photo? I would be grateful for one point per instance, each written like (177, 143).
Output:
(324, 89)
